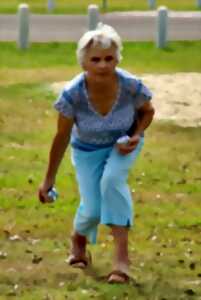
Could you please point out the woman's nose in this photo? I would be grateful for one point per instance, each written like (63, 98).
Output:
(102, 64)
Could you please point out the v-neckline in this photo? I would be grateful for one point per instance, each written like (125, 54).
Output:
(91, 106)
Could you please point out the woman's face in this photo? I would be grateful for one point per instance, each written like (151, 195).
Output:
(100, 63)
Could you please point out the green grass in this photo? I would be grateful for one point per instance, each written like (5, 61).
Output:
(142, 56)
(165, 245)
(80, 6)
(165, 242)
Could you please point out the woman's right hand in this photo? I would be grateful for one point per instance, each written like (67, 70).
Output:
(59, 145)
(43, 191)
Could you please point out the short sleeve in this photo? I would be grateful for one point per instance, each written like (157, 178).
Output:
(64, 104)
(142, 94)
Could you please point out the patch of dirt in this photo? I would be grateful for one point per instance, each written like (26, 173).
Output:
(177, 97)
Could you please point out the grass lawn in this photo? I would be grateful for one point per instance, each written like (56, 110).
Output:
(138, 56)
(166, 186)
(80, 6)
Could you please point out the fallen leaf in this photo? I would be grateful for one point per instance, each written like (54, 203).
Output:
(153, 238)
(30, 179)
(189, 251)
(15, 238)
(3, 255)
(181, 261)
(36, 259)
(33, 241)
(189, 292)
(159, 254)
(61, 284)
(192, 266)
(181, 181)
(28, 251)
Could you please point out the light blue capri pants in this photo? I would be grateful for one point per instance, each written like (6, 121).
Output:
(105, 196)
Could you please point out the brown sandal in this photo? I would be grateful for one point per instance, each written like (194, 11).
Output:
(80, 263)
(120, 277)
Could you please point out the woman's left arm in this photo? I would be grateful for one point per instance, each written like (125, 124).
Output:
(146, 113)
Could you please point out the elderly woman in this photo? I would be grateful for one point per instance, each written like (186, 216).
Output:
(96, 108)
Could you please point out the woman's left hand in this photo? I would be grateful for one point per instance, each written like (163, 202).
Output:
(130, 146)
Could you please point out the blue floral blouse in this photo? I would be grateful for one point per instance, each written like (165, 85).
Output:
(92, 130)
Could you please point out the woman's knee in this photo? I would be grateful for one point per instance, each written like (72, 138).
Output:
(88, 215)
(110, 180)
(93, 215)
(83, 223)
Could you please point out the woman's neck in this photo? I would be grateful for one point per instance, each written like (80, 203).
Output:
(101, 85)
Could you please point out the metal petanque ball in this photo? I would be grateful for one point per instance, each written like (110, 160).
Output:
(123, 140)
(53, 194)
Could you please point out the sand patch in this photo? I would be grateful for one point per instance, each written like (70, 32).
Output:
(177, 97)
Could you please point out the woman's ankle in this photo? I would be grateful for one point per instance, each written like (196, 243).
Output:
(122, 265)
(78, 244)
(120, 234)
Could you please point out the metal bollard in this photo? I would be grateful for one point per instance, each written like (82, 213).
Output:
(161, 30)
(199, 3)
(93, 16)
(23, 26)
(152, 4)
(50, 5)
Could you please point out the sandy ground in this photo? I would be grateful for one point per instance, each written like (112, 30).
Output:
(177, 97)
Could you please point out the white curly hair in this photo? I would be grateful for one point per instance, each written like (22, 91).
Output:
(104, 35)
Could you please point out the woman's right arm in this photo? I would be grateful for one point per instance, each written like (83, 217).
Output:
(59, 145)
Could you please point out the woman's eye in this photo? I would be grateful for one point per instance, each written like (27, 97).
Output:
(109, 58)
(95, 59)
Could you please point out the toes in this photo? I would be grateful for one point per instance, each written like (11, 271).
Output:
(116, 279)
(118, 276)
(79, 265)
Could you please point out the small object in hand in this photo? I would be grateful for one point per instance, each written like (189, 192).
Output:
(123, 140)
(52, 194)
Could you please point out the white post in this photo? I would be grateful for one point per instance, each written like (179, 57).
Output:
(161, 30)
(199, 3)
(23, 26)
(152, 4)
(93, 16)
(105, 5)
(50, 5)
